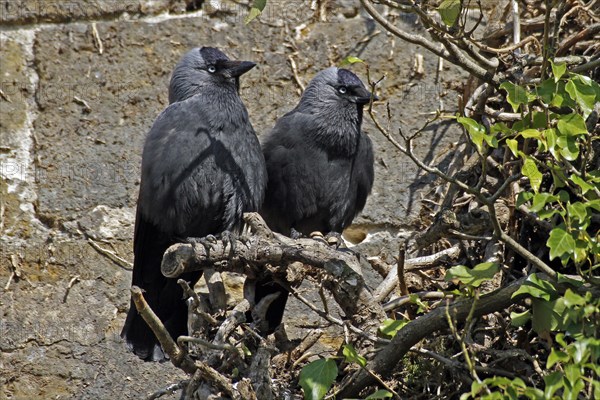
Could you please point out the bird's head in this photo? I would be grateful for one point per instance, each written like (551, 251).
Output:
(335, 99)
(205, 67)
(337, 86)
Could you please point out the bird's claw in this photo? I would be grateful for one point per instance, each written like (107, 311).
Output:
(294, 234)
(228, 237)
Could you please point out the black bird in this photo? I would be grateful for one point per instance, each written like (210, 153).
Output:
(320, 166)
(202, 168)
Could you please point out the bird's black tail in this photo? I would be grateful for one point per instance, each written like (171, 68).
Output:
(274, 315)
(163, 295)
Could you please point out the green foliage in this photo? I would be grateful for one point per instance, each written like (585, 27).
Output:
(553, 145)
(257, 8)
(449, 11)
(349, 61)
(390, 327)
(379, 395)
(352, 356)
(557, 145)
(317, 378)
(472, 277)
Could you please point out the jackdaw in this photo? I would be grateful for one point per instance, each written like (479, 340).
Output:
(202, 168)
(320, 166)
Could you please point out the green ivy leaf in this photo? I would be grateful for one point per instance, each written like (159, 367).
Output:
(531, 171)
(257, 8)
(349, 61)
(513, 145)
(540, 200)
(523, 198)
(551, 138)
(536, 288)
(560, 243)
(317, 378)
(516, 95)
(520, 319)
(556, 356)
(379, 395)
(583, 184)
(568, 146)
(583, 93)
(571, 125)
(449, 10)
(531, 133)
(547, 314)
(390, 327)
(553, 382)
(578, 211)
(473, 276)
(476, 131)
(558, 70)
(546, 90)
(352, 356)
(565, 279)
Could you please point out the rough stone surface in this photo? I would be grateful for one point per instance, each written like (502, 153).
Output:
(72, 125)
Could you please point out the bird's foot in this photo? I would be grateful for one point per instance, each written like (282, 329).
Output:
(229, 238)
(207, 242)
(294, 234)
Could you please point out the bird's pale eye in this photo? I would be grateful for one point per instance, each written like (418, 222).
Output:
(342, 89)
(212, 69)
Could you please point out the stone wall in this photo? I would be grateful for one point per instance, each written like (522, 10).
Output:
(81, 83)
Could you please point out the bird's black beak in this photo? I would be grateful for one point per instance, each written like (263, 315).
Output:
(363, 96)
(234, 69)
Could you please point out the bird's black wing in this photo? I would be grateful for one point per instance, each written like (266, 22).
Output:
(193, 183)
(295, 170)
(363, 175)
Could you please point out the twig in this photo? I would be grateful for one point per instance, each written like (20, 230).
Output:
(545, 42)
(4, 96)
(72, 282)
(179, 358)
(388, 284)
(204, 343)
(188, 292)
(400, 301)
(121, 262)
(516, 22)
(171, 389)
(80, 101)
(295, 73)
(401, 279)
(332, 319)
(97, 38)
(577, 37)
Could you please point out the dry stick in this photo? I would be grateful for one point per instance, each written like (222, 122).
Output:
(171, 389)
(189, 292)
(209, 345)
(545, 42)
(388, 357)
(211, 375)
(121, 262)
(388, 284)
(332, 319)
(179, 358)
(400, 301)
(579, 36)
(401, 279)
(266, 247)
